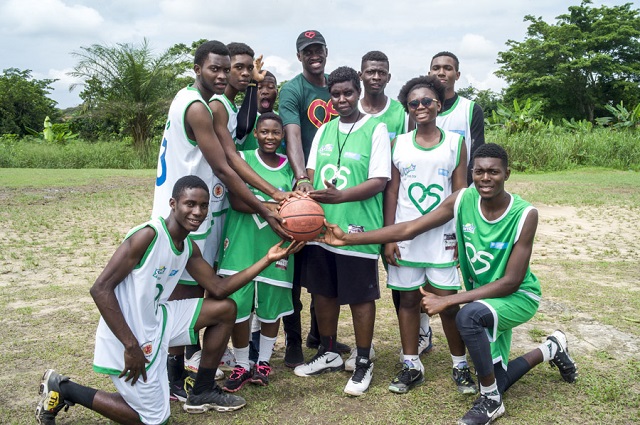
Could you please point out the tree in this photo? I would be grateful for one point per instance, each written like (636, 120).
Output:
(588, 59)
(24, 102)
(129, 85)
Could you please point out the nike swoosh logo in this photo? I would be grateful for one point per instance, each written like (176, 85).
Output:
(490, 414)
(331, 360)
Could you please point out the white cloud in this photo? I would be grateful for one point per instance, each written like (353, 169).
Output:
(34, 17)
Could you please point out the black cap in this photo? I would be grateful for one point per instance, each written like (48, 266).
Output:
(309, 37)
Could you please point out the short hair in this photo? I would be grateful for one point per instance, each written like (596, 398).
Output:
(269, 116)
(492, 150)
(375, 55)
(343, 74)
(448, 54)
(214, 46)
(270, 74)
(188, 182)
(424, 81)
(240, 49)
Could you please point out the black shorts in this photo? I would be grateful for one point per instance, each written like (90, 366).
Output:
(352, 280)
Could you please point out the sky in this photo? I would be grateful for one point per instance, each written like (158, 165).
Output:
(41, 35)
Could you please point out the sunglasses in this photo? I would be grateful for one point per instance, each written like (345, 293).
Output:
(425, 101)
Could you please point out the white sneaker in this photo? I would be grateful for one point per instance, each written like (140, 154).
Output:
(350, 364)
(192, 364)
(219, 374)
(361, 378)
(228, 361)
(320, 363)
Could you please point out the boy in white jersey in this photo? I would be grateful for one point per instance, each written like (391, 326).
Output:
(429, 164)
(495, 239)
(138, 323)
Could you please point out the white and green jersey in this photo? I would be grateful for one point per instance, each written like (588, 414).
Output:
(248, 237)
(141, 296)
(180, 156)
(364, 152)
(458, 120)
(393, 115)
(232, 111)
(484, 246)
(425, 181)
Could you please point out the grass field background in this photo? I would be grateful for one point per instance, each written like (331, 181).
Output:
(59, 228)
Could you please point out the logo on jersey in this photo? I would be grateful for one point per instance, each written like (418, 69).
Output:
(443, 172)
(174, 272)
(406, 170)
(147, 349)
(499, 245)
(218, 191)
(337, 177)
(326, 150)
(479, 260)
(320, 112)
(468, 228)
(352, 155)
(159, 272)
(226, 243)
(282, 264)
(424, 198)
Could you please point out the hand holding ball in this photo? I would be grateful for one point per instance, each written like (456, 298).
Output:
(304, 218)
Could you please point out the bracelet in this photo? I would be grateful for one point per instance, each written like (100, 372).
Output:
(303, 180)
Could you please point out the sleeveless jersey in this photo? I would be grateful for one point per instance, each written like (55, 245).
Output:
(248, 237)
(393, 115)
(484, 246)
(425, 181)
(458, 120)
(180, 156)
(141, 296)
(355, 162)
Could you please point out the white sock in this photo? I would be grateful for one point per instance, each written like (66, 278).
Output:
(491, 391)
(415, 360)
(266, 348)
(424, 323)
(549, 349)
(458, 360)
(242, 357)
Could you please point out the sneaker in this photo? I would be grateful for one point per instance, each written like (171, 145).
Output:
(425, 344)
(239, 376)
(484, 411)
(562, 360)
(463, 379)
(192, 364)
(350, 364)
(213, 399)
(314, 342)
(228, 360)
(361, 377)
(177, 391)
(293, 356)
(407, 378)
(261, 373)
(320, 363)
(190, 381)
(51, 401)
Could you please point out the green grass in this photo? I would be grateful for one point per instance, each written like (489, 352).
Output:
(60, 227)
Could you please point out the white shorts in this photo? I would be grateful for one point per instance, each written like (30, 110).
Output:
(150, 399)
(412, 278)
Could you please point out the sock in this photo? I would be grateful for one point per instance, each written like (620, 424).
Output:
(242, 357)
(205, 380)
(329, 343)
(459, 361)
(76, 393)
(491, 391)
(175, 367)
(415, 361)
(424, 323)
(190, 350)
(549, 349)
(363, 351)
(266, 348)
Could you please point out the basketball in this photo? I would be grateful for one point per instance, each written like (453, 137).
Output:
(304, 218)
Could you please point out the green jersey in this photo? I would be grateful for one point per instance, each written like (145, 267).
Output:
(250, 143)
(393, 115)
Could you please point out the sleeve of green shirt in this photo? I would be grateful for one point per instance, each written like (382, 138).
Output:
(289, 108)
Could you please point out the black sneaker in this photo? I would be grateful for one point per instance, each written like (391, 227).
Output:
(562, 360)
(213, 399)
(464, 381)
(51, 400)
(261, 373)
(293, 355)
(177, 391)
(239, 376)
(408, 377)
(484, 411)
(313, 342)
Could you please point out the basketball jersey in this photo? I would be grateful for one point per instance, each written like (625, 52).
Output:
(250, 143)
(425, 181)
(393, 115)
(180, 156)
(141, 296)
(248, 237)
(484, 246)
(458, 120)
(355, 162)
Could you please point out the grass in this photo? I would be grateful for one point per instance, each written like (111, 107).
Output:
(61, 226)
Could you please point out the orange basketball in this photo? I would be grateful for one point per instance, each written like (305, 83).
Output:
(304, 218)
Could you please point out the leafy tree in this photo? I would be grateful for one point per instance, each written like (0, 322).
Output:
(129, 85)
(24, 102)
(589, 58)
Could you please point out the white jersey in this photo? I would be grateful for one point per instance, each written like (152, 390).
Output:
(141, 296)
(458, 120)
(425, 181)
(232, 111)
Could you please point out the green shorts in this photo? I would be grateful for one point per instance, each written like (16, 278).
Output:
(508, 312)
(270, 302)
